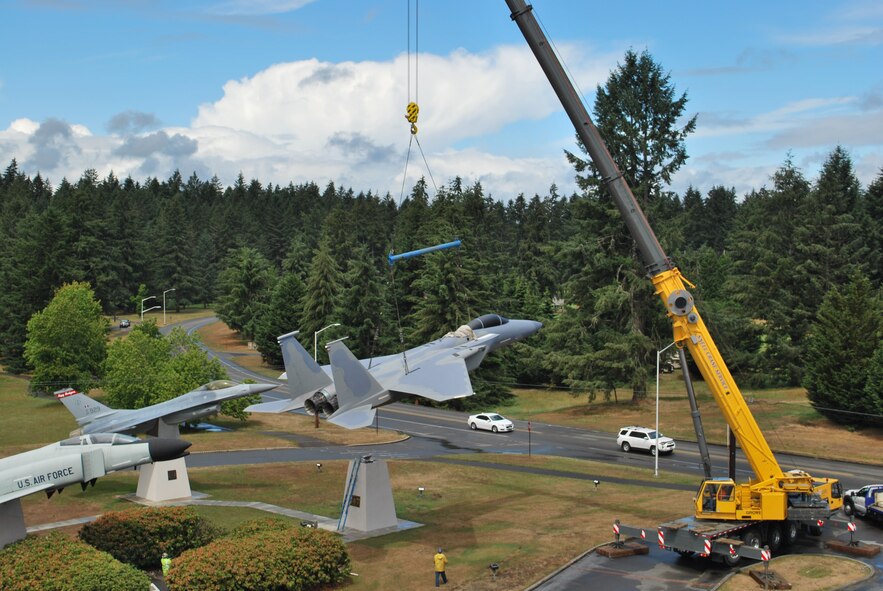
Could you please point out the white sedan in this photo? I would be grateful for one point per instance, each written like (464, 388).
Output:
(490, 421)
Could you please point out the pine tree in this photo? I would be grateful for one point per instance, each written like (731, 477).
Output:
(842, 354)
(323, 286)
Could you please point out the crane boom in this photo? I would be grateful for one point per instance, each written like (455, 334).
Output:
(688, 327)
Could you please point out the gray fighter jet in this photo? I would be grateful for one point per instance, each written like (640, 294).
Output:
(348, 391)
(81, 459)
(159, 419)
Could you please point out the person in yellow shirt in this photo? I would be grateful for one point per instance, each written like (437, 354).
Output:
(440, 562)
(166, 563)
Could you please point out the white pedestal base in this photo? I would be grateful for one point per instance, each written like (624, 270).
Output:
(164, 481)
(372, 506)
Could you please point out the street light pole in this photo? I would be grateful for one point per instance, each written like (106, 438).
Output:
(164, 305)
(142, 306)
(656, 457)
(316, 339)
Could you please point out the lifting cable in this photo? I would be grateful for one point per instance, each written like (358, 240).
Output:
(412, 111)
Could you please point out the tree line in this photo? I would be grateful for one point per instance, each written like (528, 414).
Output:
(788, 276)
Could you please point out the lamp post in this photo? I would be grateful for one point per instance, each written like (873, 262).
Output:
(656, 456)
(142, 306)
(164, 305)
(316, 339)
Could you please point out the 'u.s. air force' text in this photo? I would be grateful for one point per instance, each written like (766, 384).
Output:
(44, 478)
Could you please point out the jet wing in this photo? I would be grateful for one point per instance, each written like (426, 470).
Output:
(442, 377)
(436, 374)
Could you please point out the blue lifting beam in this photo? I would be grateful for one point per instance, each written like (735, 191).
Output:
(415, 253)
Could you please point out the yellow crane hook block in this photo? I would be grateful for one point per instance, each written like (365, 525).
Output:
(411, 113)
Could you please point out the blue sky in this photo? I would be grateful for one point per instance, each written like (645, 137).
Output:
(298, 90)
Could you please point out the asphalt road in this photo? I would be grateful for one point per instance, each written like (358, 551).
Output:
(436, 433)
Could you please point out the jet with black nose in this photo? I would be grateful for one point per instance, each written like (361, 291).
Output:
(79, 460)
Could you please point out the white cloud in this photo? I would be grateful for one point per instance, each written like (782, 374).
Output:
(312, 121)
(258, 7)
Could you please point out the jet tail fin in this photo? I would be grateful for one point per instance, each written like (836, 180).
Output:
(84, 409)
(305, 376)
(357, 390)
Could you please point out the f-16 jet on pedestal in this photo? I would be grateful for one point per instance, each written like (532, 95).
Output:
(161, 481)
(82, 459)
(348, 391)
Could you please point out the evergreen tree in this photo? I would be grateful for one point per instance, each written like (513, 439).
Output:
(365, 308)
(245, 285)
(765, 257)
(637, 115)
(842, 354)
(319, 304)
(871, 220)
(282, 315)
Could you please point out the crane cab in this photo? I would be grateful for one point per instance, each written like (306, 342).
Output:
(716, 499)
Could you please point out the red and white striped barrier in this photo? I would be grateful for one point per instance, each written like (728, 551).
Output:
(707, 546)
(616, 528)
(765, 555)
(643, 535)
(732, 550)
(820, 522)
(661, 538)
(851, 526)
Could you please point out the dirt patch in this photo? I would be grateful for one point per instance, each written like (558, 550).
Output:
(806, 573)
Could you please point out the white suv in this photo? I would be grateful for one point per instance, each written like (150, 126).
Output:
(645, 439)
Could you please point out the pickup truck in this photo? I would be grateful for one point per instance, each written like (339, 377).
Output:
(866, 501)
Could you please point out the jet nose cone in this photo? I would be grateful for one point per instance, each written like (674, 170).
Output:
(525, 328)
(259, 388)
(164, 449)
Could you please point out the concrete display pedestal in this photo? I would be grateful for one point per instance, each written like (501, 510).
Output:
(371, 506)
(12, 522)
(164, 481)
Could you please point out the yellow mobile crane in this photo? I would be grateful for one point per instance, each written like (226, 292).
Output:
(768, 508)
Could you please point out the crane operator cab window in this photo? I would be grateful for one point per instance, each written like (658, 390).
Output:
(718, 496)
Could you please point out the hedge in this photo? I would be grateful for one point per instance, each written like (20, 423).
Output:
(140, 536)
(260, 557)
(56, 563)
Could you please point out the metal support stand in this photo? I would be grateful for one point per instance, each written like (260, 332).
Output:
(617, 542)
(12, 522)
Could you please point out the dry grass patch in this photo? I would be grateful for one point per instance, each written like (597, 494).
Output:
(806, 573)
(219, 337)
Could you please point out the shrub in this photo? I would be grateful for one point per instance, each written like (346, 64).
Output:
(56, 563)
(259, 526)
(263, 556)
(140, 536)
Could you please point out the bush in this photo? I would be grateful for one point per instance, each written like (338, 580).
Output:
(56, 563)
(266, 555)
(259, 526)
(140, 536)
